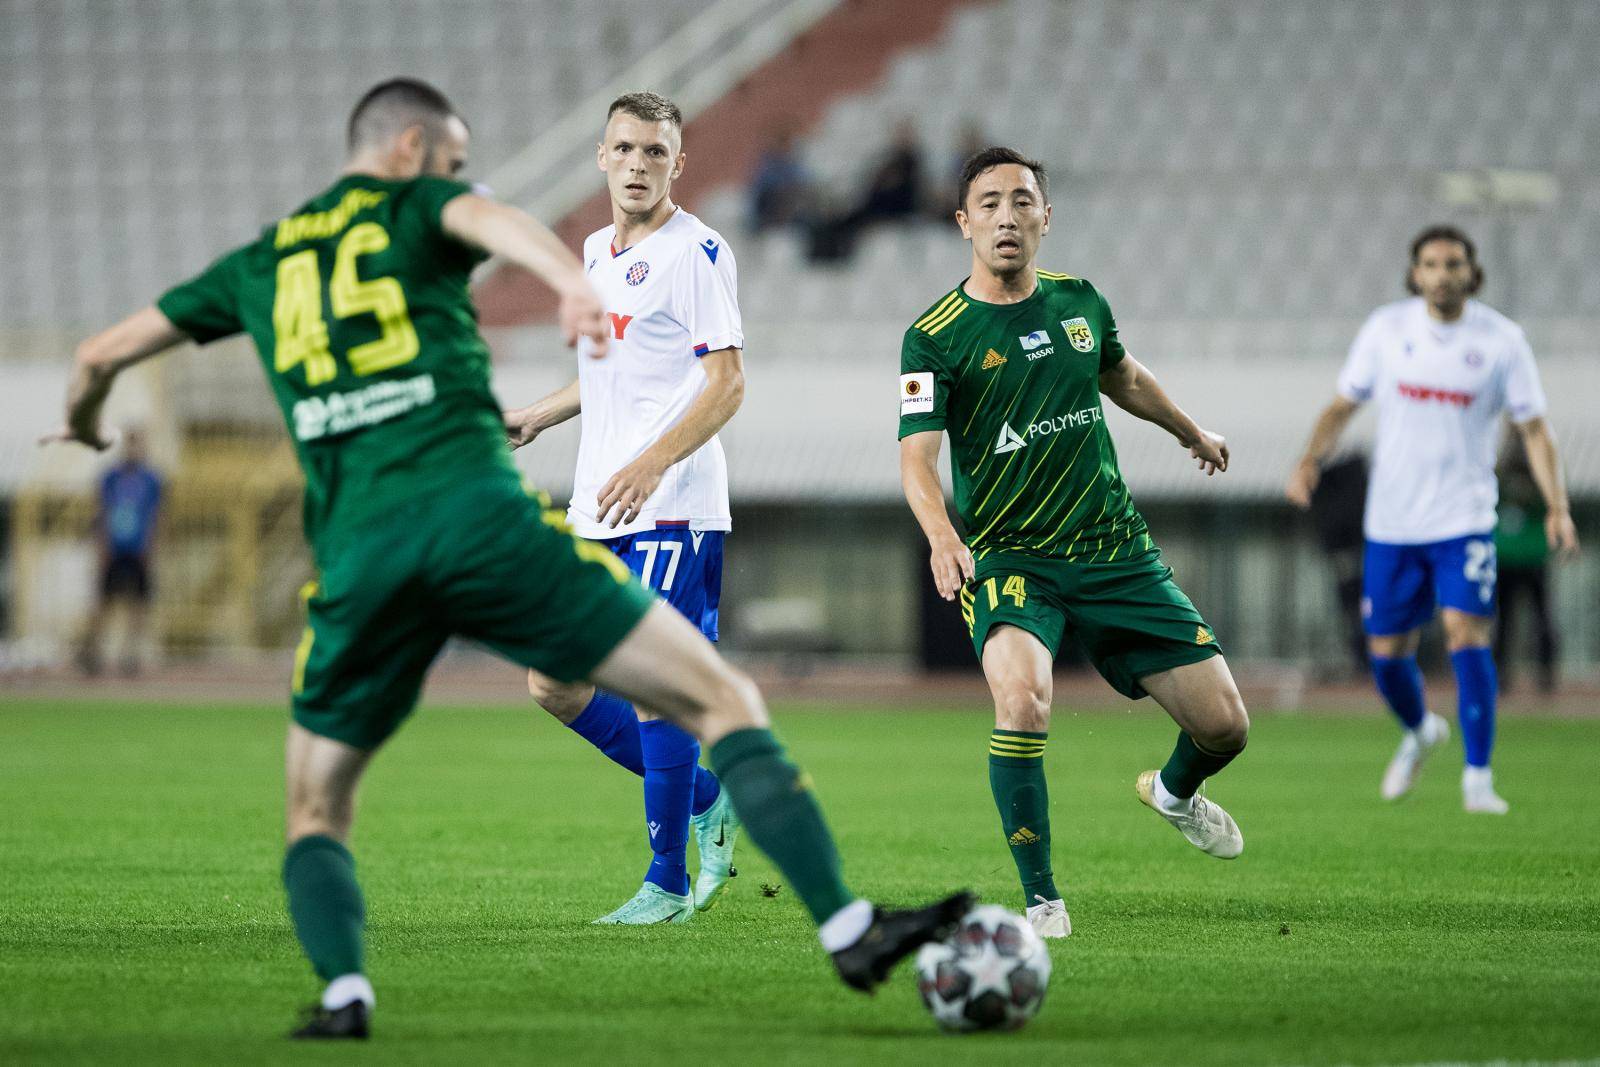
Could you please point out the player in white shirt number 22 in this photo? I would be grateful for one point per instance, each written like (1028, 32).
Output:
(1442, 369)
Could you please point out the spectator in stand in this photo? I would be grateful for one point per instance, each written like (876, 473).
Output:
(781, 185)
(1523, 552)
(969, 142)
(125, 527)
(894, 192)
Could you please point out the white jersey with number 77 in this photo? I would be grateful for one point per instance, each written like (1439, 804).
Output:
(669, 300)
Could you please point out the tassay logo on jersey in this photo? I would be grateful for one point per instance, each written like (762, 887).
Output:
(709, 247)
(1009, 441)
(1079, 334)
(1034, 340)
(992, 359)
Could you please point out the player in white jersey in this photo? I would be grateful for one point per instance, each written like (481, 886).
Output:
(1442, 369)
(651, 482)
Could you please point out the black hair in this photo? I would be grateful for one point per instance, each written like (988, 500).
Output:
(652, 107)
(1444, 233)
(392, 106)
(995, 156)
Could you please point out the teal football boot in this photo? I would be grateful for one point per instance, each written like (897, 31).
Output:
(650, 906)
(715, 831)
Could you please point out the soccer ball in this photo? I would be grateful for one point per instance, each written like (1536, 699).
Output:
(991, 975)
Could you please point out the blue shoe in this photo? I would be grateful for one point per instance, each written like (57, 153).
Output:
(715, 831)
(650, 906)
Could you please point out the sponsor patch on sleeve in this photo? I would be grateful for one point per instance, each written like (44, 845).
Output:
(916, 393)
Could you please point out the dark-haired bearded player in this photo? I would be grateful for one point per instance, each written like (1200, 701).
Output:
(1011, 364)
(1441, 368)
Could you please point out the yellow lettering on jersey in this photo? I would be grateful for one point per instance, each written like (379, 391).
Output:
(302, 333)
(319, 224)
(297, 325)
(381, 296)
(992, 359)
(1016, 588)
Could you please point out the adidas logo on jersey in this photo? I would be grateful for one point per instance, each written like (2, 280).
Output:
(1009, 441)
(1023, 836)
(1202, 636)
(992, 359)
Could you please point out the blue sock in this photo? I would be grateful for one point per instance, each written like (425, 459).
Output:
(1475, 692)
(1400, 684)
(706, 790)
(670, 760)
(609, 724)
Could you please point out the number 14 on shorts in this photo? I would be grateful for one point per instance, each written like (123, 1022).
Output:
(1015, 587)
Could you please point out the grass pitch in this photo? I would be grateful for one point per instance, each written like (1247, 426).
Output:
(141, 916)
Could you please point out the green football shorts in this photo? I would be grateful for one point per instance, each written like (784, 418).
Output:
(1129, 615)
(483, 560)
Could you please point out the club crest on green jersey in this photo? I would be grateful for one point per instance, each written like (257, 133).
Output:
(1079, 334)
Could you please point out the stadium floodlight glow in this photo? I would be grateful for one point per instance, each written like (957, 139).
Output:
(1492, 187)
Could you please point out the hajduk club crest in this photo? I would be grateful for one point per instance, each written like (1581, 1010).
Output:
(638, 272)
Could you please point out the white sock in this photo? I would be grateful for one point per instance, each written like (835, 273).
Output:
(844, 927)
(1476, 778)
(1167, 802)
(348, 988)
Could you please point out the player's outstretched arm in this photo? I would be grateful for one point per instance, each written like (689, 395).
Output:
(524, 424)
(1545, 463)
(99, 360)
(515, 235)
(950, 559)
(1132, 387)
(627, 490)
(1324, 435)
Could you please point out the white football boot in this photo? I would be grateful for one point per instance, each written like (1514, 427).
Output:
(1049, 918)
(1401, 773)
(1478, 795)
(1207, 827)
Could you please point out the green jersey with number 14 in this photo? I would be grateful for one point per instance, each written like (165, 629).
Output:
(358, 305)
(1016, 387)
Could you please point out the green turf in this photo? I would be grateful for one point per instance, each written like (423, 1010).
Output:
(141, 916)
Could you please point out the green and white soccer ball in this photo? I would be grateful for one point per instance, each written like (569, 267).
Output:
(990, 975)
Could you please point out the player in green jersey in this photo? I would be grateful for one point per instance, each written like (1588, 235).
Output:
(359, 308)
(1011, 365)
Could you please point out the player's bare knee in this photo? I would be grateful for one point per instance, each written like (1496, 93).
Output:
(1023, 706)
(1390, 646)
(562, 700)
(738, 700)
(1462, 631)
(317, 816)
(1229, 728)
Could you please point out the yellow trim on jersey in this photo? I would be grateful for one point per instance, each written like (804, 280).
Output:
(942, 306)
(1055, 277)
(947, 318)
(302, 652)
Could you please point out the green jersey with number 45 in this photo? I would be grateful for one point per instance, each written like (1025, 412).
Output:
(359, 308)
(1016, 387)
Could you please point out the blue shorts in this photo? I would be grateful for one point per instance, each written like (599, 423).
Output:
(1401, 584)
(683, 567)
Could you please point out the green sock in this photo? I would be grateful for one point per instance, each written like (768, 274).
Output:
(774, 801)
(1016, 775)
(1190, 765)
(325, 904)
